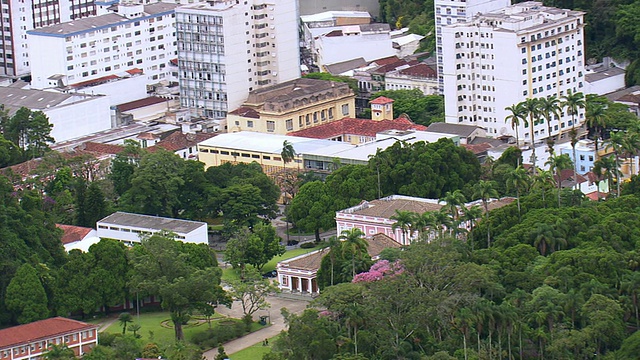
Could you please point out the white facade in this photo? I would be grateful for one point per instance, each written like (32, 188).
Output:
(370, 42)
(20, 16)
(396, 80)
(502, 58)
(449, 12)
(78, 119)
(128, 228)
(228, 48)
(138, 39)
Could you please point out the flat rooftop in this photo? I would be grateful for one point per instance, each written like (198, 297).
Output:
(152, 222)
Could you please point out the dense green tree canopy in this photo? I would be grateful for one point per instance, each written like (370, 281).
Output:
(422, 109)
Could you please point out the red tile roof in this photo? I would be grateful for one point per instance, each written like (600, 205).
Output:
(246, 112)
(134, 71)
(97, 81)
(147, 136)
(137, 104)
(40, 330)
(359, 127)
(420, 70)
(73, 233)
(178, 141)
(477, 148)
(382, 100)
(387, 60)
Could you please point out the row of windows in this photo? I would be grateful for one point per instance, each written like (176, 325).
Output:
(136, 231)
(116, 28)
(244, 155)
(551, 32)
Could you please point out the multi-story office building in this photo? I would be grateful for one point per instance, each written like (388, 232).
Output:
(449, 12)
(138, 39)
(20, 16)
(228, 48)
(504, 57)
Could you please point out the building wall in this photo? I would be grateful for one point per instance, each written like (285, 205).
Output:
(606, 85)
(80, 342)
(506, 67)
(252, 49)
(310, 7)
(301, 118)
(80, 118)
(371, 225)
(146, 43)
(131, 234)
(428, 86)
(121, 91)
(336, 49)
(271, 162)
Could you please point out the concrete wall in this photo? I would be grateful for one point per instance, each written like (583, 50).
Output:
(78, 119)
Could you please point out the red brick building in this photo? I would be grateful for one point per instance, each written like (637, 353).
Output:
(30, 341)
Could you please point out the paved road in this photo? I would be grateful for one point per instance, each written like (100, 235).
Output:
(277, 323)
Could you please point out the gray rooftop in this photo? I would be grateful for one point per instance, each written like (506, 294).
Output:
(339, 68)
(99, 22)
(152, 222)
(14, 98)
(454, 129)
(603, 73)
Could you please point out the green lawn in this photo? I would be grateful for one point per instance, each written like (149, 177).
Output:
(254, 352)
(157, 327)
(231, 274)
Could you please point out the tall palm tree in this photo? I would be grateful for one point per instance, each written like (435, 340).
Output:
(573, 102)
(608, 167)
(549, 107)
(532, 109)
(518, 180)
(424, 222)
(353, 244)
(596, 116)
(404, 221)
(485, 190)
(543, 181)
(287, 154)
(516, 116)
(471, 215)
(558, 163)
(442, 221)
(453, 200)
(616, 142)
(630, 147)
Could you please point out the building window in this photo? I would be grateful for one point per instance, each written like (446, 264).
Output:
(289, 124)
(345, 109)
(250, 123)
(330, 113)
(271, 126)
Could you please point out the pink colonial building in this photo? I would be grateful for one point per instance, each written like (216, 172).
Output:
(31, 341)
(374, 217)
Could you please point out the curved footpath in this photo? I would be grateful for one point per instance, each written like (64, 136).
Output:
(294, 305)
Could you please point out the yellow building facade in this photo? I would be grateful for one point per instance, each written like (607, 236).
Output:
(292, 106)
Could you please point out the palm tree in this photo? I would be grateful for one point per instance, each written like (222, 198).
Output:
(353, 244)
(532, 109)
(453, 200)
(287, 154)
(550, 106)
(559, 163)
(518, 179)
(517, 114)
(485, 190)
(442, 221)
(424, 222)
(334, 248)
(124, 319)
(573, 102)
(404, 221)
(470, 216)
(596, 121)
(630, 147)
(608, 167)
(543, 181)
(616, 142)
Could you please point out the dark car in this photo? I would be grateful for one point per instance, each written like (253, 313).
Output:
(270, 274)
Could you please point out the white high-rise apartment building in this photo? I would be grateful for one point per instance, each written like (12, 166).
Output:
(228, 48)
(20, 16)
(449, 12)
(138, 39)
(504, 57)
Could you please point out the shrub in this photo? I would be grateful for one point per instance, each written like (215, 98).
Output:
(307, 245)
(219, 334)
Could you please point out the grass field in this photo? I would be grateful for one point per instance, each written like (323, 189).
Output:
(231, 274)
(254, 352)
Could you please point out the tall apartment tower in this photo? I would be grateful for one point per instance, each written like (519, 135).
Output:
(20, 16)
(228, 48)
(504, 57)
(449, 12)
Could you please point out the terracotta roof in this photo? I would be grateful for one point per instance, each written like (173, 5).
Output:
(359, 127)
(147, 136)
(379, 242)
(386, 208)
(137, 104)
(387, 60)
(566, 176)
(382, 100)
(477, 148)
(310, 262)
(73, 233)
(97, 81)
(246, 112)
(134, 71)
(420, 70)
(100, 148)
(40, 330)
(178, 141)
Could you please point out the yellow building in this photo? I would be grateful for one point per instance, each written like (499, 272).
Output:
(292, 106)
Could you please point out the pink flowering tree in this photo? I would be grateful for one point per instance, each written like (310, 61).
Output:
(379, 270)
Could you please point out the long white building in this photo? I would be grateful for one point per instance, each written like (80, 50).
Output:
(136, 39)
(504, 57)
(228, 48)
(449, 12)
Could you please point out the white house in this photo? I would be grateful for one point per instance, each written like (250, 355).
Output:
(128, 228)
